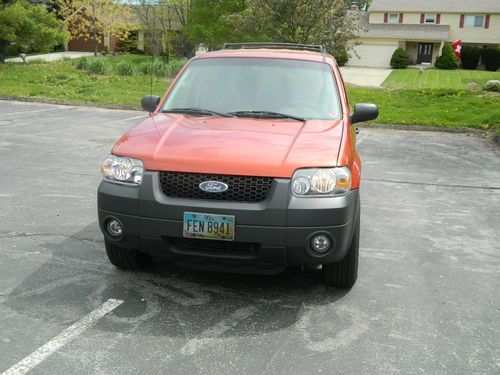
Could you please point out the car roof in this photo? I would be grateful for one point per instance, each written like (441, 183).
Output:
(271, 54)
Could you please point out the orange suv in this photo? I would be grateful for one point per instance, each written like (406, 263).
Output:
(247, 164)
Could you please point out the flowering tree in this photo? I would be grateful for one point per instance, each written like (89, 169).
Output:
(92, 19)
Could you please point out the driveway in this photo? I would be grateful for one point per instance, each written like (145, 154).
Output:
(52, 56)
(426, 301)
(370, 77)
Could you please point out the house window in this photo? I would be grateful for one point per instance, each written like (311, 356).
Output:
(393, 17)
(430, 17)
(474, 21)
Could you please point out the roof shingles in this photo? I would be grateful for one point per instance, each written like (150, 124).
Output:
(443, 6)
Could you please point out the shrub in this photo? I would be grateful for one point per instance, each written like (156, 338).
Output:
(97, 66)
(175, 67)
(491, 58)
(124, 68)
(128, 44)
(156, 67)
(67, 60)
(400, 59)
(448, 59)
(493, 85)
(83, 63)
(470, 57)
(341, 56)
(105, 51)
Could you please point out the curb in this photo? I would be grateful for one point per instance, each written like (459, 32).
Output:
(423, 128)
(74, 104)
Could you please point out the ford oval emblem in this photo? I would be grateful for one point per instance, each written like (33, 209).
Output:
(213, 186)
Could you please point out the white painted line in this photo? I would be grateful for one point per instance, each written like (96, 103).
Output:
(210, 335)
(62, 339)
(132, 118)
(25, 112)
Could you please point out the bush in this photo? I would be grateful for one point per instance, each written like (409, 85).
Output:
(175, 67)
(105, 51)
(470, 57)
(97, 66)
(124, 68)
(448, 59)
(156, 67)
(67, 60)
(491, 58)
(400, 59)
(83, 63)
(493, 85)
(341, 56)
(128, 44)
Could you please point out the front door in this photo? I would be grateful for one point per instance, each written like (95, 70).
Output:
(425, 53)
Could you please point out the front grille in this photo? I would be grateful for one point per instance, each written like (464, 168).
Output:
(194, 244)
(241, 188)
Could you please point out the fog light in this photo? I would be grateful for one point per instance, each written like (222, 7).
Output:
(321, 243)
(115, 228)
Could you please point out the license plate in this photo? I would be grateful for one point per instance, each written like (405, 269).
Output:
(208, 226)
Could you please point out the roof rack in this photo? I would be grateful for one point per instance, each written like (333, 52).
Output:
(292, 46)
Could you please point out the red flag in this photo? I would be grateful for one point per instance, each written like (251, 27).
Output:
(457, 48)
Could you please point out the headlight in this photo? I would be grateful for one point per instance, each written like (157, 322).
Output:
(122, 170)
(321, 182)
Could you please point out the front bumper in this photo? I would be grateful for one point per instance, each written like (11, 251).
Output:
(269, 235)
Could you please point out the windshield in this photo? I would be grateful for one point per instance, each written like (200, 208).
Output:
(303, 89)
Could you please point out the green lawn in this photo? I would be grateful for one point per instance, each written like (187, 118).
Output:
(445, 108)
(437, 79)
(62, 81)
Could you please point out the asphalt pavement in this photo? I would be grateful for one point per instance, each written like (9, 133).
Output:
(427, 299)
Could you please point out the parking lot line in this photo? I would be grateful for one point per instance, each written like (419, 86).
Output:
(26, 112)
(39, 355)
(212, 333)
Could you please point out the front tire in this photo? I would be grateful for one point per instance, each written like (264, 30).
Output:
(127, 259)
(344, 274)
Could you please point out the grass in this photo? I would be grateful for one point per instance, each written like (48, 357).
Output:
(439, 101)
(438, 79)
(434, 107)
(62, 81)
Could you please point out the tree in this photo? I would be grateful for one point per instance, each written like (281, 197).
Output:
(323, 22)
(208, 22)
(28, 28)
(93, 19)
(448, 59)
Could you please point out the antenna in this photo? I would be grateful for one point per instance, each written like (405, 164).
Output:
(153, 51)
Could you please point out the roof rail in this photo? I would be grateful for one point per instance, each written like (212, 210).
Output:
(292, 46)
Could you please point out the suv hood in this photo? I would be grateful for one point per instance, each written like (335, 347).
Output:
(234, 146)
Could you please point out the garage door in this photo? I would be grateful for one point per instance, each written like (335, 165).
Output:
(373, 55)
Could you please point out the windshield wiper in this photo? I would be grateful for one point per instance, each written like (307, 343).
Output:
(265, 114)
(197, 111)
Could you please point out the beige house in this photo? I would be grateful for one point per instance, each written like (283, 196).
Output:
(422, 27)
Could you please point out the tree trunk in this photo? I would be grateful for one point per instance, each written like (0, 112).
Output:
(94, 31)
(3, 46)
(94, 37)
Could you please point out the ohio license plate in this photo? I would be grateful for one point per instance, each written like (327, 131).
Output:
(208, 226)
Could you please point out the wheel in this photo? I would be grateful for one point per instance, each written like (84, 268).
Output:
(126, 259)
(344, 274)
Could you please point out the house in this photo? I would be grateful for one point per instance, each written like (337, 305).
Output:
(421, 27)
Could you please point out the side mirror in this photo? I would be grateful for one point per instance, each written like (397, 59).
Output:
(150, 102)
(364, 112)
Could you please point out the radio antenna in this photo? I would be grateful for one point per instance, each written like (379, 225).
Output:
(153, 50)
